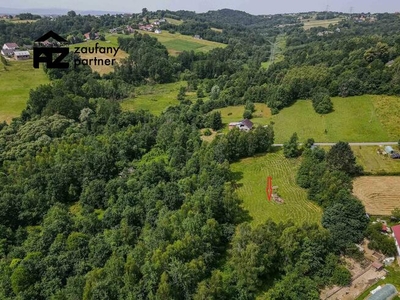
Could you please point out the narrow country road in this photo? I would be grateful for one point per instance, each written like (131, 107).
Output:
(351, 144)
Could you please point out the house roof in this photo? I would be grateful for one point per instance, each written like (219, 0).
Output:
(377, 265)
(247, 123)
(11, 45)
(396, 233)
(21, 53)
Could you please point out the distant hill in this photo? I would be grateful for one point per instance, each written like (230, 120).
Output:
(229, 16)
(53, 11)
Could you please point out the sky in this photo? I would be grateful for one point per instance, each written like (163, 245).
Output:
(256, 7)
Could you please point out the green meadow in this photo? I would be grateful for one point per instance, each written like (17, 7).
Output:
(355, 119)
(250, 175)
(320, 23)
(176, 42)
(374, 163)
(156, 98)
(17, 79)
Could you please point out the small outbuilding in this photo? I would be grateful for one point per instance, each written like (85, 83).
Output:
(377, 266)
(389, 150)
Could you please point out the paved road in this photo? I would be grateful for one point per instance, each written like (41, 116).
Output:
(352, 144)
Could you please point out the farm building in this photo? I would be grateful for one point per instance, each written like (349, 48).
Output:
(245, 125)
(21, 55)
(387, 292)
(396, 235)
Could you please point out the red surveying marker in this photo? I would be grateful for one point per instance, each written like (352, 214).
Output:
(269, 187)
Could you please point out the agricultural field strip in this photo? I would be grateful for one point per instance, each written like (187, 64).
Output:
(379, 194)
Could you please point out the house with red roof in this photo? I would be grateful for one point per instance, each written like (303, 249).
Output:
(396, 235)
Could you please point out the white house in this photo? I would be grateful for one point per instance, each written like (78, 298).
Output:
(10, 46)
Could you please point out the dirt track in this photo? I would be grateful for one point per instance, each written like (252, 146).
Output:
(379, 194)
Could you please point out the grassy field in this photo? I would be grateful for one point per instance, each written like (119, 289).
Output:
(320, 23)
(276, 52)
(387, 108)
(216, 29)
(156, 98)
(374, 163)
(16, 20)
(379, 194)
(251, 174)
(355, 119)
(177, 42)
(229, 114)
(16, 81)
(110, 42)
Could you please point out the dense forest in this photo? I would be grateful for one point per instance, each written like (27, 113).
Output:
(100, 203)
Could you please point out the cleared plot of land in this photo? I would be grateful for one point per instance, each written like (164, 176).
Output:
(276, 52)
(379, 194)
(392, 277)
(17, 80)
(173, 21)
(251, 174)
(387, 108)
(19, 21)
(320, 23)
(156, 98)
(374, 163)
(229, 114)
(216, 29)
(355, 119)
(109, 43)
(177, 42)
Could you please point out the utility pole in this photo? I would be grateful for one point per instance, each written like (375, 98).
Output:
(326, 12)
